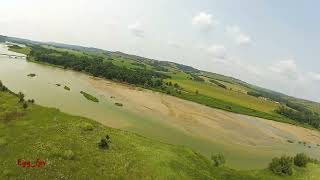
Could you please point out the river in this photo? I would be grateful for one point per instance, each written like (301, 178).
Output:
(180, 130)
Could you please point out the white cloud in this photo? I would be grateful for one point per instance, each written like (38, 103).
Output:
(239, 37)
(137, 30)
(287, 68)
(204, 20)
(217, 51)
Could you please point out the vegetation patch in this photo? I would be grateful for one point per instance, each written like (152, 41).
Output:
(290, 141)
(87, 126)
(104, 142)
(301, 160)
(89, 97)
(67, 88)
(19, 49)
(218, 84)
(282, 166)
(118, 104)
(31, 75)
(218, 160)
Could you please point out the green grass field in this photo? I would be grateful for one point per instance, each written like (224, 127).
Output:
(232, 96)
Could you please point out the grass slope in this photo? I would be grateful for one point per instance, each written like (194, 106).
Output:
(44, 133)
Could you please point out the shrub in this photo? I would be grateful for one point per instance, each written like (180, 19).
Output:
(281, 166)
(25, 105)
(218, 159)
(87, 126)
(68, 154)
(301, 160)
(118, 104)
(104, 142)
(21, 97)
(2, 87)
(290, 141)
(32, 75)
(31, 101)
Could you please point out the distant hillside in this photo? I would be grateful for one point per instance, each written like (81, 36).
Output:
(3, 38)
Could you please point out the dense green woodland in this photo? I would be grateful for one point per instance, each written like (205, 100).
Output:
(97, 67)
(291, 110)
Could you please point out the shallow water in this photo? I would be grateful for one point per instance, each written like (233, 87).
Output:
(42, 88)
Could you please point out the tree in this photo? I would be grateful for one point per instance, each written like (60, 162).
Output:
(21, 97)
(281, 166)
(218, 159)
(25, 105)
(1, 86)
(31, 101)
(197, 92)
(301, 160)
(104, 142)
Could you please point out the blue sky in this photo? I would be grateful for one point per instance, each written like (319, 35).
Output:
(270, 43)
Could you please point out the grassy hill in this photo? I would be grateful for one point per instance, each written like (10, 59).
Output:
(69, 146)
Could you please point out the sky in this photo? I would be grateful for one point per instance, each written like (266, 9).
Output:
(269, 43)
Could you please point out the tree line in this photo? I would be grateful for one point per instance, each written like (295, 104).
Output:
(303, 116)
(218, 83)
(96, 66)
(290, 109)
